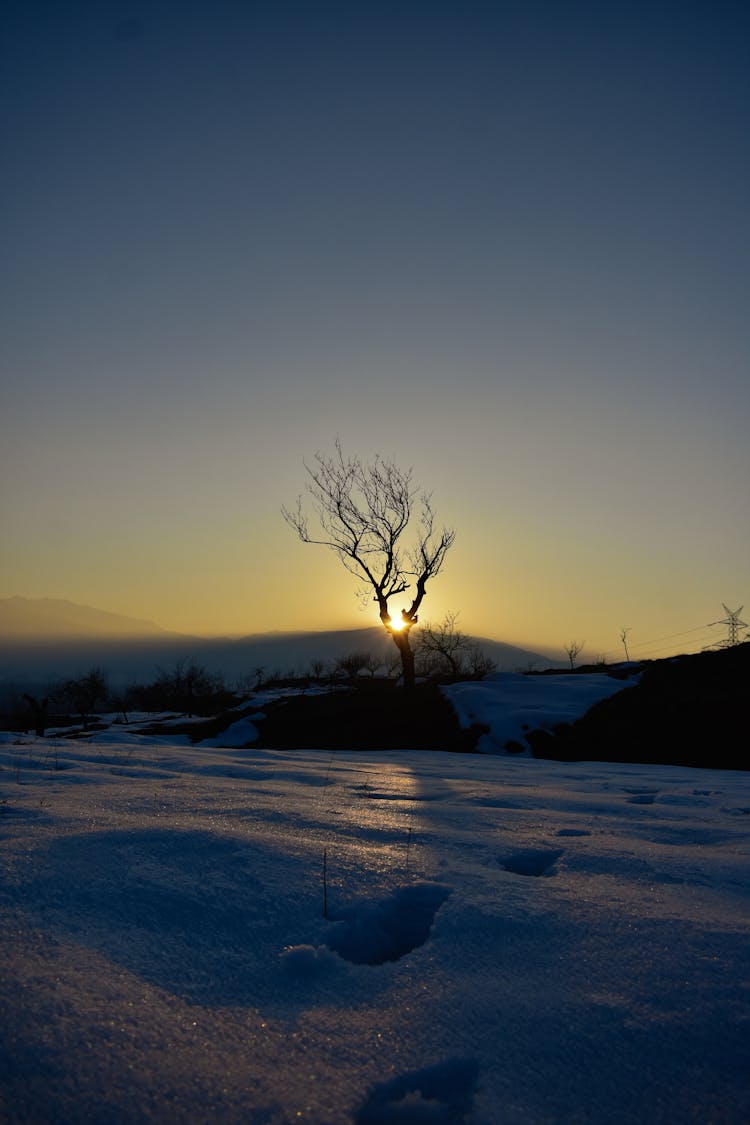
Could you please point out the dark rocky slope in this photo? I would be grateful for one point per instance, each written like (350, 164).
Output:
(688, 711)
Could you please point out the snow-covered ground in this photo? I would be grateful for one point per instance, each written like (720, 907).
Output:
(510, 704)
(562, 942)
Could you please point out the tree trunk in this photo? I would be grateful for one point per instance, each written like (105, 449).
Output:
(401, 641)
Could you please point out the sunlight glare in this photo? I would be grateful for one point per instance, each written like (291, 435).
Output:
(397, 623)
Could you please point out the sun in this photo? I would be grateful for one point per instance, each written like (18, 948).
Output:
(397, 624)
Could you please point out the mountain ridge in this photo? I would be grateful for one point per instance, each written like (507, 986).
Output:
(60, 618)
(132, 654)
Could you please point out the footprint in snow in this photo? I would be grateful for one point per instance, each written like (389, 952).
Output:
(372, 933)
(642, 795)
(533, 861)
(440, 1095)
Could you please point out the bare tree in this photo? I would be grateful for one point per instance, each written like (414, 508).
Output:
(479, 663)
(187, 685)
(40, 710)
(352, 663)
(445, 642)
(573, 648)
(124, 700)
(85, 692)
(444, 649)
(383, 531)
(372, 663)
(624, 638)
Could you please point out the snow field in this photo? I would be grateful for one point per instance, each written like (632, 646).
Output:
(549, 942)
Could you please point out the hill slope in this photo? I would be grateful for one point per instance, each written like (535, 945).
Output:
(689, 711)
(47, 637)
(55, 618)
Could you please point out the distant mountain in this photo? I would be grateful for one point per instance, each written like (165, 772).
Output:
(44, 639)
(48, 618)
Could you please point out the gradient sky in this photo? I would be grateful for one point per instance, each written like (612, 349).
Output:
(507, 244)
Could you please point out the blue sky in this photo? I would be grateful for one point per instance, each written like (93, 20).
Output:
(506, 244)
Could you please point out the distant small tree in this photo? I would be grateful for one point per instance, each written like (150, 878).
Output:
(573, 648)
(124, 700)
(40, 710)
(351, 664)
(83, 693)
(444, 649)
(184, 685)
(624, 638)
(372, 663)
(479, 663)
(245, 684)
(364, 514)
(445, 643)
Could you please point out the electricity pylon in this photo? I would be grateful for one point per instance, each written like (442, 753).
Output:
(733, 623)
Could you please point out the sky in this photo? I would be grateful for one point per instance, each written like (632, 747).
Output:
(504, 244)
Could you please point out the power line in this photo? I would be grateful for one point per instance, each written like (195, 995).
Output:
(660, 641)
(671, 636)
(697, 644)
(732, 621)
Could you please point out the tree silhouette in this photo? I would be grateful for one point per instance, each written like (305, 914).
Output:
(39, 709)
(382, 529)
(445, 650)
(573, 648)
(187, 685)
(85, 692)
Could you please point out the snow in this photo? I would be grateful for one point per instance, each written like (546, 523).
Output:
(510, 704)
(508, 940)
(236, 734)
